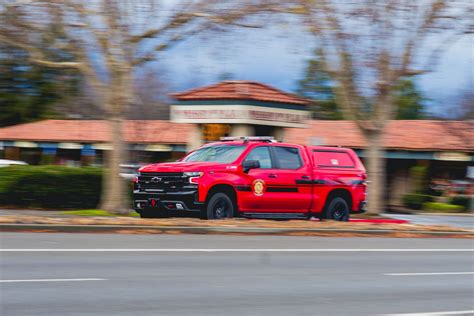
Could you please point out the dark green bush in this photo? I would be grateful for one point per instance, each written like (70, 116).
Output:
(460, 200)
(50, 187)
(415, 201)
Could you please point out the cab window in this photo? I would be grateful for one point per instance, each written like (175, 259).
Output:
(219, 153)
(262, 154)
(288, 158)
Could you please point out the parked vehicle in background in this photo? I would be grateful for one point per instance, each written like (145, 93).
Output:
(254, 177)
(129, 171)
(6, 162)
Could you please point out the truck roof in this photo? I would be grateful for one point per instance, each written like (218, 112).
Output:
(328, 148)
(240, 141)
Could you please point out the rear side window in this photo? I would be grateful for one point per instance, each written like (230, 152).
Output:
(262, 154)
(333, 159)
(288, 158)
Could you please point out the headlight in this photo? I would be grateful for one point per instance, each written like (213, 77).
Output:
(193, 174)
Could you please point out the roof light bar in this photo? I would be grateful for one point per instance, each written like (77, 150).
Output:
(269, 139)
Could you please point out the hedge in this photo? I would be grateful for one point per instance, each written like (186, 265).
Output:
(464, 201)
(50, 187)
(415, 201)
(442, 207)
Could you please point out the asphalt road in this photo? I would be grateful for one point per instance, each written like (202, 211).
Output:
(61, 274)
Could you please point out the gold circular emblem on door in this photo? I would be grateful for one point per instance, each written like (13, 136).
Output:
(258, 187)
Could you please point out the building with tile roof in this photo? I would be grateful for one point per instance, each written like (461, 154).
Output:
(445, 147)
(238, 108)
(245, 108)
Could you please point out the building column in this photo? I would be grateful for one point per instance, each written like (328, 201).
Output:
(279, 133)
(195, 139)
(242, 130)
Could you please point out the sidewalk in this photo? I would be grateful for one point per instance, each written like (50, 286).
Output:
(453, 220)
(48, 221)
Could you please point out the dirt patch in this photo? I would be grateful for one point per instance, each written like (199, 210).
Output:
(237, 226)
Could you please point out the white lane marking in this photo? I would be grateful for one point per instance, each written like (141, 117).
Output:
(471, 312)
(429, 273)
(52, 280)
(231, 250)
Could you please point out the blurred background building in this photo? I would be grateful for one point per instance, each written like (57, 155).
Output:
(443, 149)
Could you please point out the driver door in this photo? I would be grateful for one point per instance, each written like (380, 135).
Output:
(261, 181)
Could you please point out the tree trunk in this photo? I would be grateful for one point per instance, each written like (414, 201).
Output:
(375, 172)
(114, 198)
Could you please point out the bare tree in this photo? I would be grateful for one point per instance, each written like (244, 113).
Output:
(110, 40)
(151, 94)
(368, 46)
(465, 105)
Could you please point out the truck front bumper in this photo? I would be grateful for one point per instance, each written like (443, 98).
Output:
(166, 201)
(362, 208)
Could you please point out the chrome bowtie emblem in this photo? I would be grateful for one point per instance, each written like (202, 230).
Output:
(155, 179)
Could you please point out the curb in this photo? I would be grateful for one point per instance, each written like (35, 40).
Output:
(217, 230)
(449, 214)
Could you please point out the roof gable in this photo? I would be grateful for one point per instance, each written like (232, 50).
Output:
(240, 90)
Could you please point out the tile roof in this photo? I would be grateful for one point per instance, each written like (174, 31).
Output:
(403, 135)
(240, 90)
(150, 131)
(414, 135)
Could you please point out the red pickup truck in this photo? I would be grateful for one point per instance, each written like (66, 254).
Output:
(254, 177)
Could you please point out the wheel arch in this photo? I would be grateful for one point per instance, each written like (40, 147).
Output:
(224, 188)
(339, 192)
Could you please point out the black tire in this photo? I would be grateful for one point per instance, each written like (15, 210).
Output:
(220, 206)
(337, 209)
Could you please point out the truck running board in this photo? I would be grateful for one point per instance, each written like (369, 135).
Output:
(275, 215)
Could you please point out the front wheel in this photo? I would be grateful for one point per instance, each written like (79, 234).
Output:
(220, 206)
(337, 210)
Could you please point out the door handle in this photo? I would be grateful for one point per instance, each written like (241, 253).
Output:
(272, 175)
(305, 177)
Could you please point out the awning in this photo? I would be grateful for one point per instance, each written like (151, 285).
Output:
(70, 145)
(102, 146)
(21, 144)
(452, 156)
(158, 147)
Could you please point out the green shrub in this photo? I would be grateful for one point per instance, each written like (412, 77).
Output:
(50, 186)
(420, 179)
(460, 200)
(442, 207)
(415, 201)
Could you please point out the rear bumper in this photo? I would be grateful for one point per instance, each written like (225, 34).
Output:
(170, 201)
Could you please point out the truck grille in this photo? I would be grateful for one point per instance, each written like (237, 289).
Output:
(162, 181)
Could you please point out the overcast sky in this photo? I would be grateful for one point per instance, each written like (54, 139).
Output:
(272, 57)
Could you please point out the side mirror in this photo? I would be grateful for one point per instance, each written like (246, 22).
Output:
(247, 165)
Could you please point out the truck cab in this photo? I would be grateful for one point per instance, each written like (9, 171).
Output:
(254, 177)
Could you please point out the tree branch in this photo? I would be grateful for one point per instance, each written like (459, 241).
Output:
(37, 56)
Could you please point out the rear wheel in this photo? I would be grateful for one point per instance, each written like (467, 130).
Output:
(337, 210)
(220, 206)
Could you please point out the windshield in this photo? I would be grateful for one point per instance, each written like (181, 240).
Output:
(221, 153)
